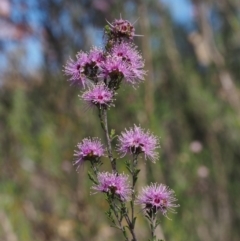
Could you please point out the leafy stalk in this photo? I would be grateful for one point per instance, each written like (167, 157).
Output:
(118, 213)
(104, 123)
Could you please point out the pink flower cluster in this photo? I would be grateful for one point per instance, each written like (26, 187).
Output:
(157, 197)
(77, 69)
(99, 73)
(108, 67)
(125, 61)
(99, 95)
(114, 184)
(90, 149)
(136, 141)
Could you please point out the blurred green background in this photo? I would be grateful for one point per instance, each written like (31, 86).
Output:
(190, 99)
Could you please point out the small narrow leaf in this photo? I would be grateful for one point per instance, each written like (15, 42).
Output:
(91, 177)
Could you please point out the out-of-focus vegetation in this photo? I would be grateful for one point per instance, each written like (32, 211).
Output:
(190, 99)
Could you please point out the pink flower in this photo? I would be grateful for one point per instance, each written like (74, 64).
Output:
(123, 61)
(77, 69)
(114, 68)
(85, 68)
(128, 53)
(121, 29)
(157, 197)
(89, 149)
(96, 56)
(113, 184)
(136, 141)
(99, 95)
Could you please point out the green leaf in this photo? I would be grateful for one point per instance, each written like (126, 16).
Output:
(128, 166)
(107, 29)
(134, 221)
(112, 133)
(92, 178)
(137, 171)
